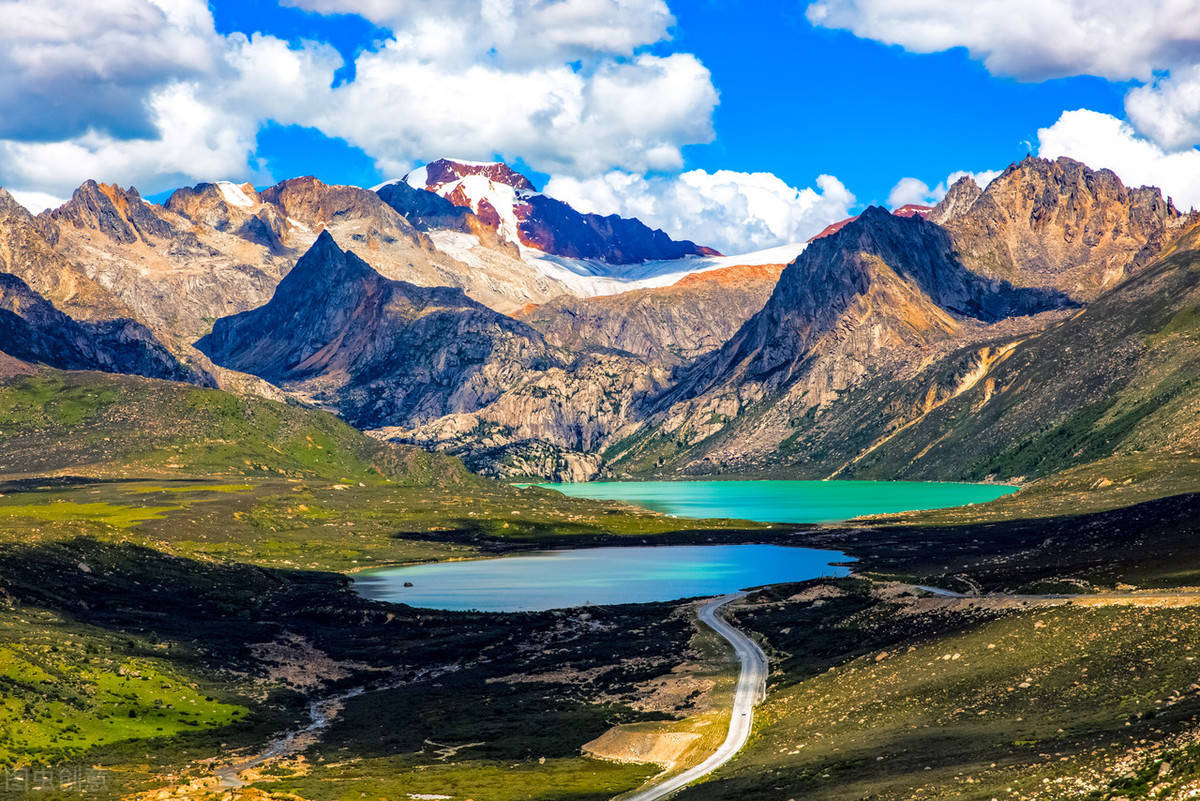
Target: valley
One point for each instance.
(223, 416)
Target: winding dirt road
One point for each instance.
(751, 689)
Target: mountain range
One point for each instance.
(1043, 319)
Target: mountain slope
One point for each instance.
(893, 278)
(26, 251)
(33, 331)
(144, 427)
(883, 293)
(380, 351)
(430, 365)
(1111, 385)
(1117, 378)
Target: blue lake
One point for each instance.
(598, 576)
(786, 501)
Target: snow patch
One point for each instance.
(657, 273)
(234, 195)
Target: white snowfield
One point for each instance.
(590, 278)
(751, 689)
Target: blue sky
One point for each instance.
(800, 100)
(738, 125)
(795, 99)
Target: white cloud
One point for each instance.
(37, 202)
(735, 212)
(147, 92)
(914, 190)
(1168, 111)
(71, 66)
(633, 114)
(198, 129)
(1102, 140)
(512, 32)
(1032, 39)
(910, 190)
(194, 140)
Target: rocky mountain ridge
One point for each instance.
(34, 332)
(446, 335)
(668, 325)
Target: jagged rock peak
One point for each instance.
(315, 203)
(9, 205)
(118, 213)
(186, 200)
(1060, 224)
(959, 198)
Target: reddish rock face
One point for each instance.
(733, 276)
(443, 171)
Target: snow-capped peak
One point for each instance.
(436, 174)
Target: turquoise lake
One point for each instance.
(785, 501)
(558, 579)
(595, 576)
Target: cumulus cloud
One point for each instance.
(1102, 140)
(635, 114)
(512, 32)
(916, 191)
(1031, 39)
(197, 130)
(1168, 111)
(70, 67)
(37, 202)
(1156, 42)
(910, 190)
(148, 92)
(735, 212)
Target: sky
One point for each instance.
(739, 125)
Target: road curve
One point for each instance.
(751, 688)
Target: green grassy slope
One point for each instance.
(200, 472)
(113, 426)
(887, 697)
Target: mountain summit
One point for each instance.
(507, 201)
